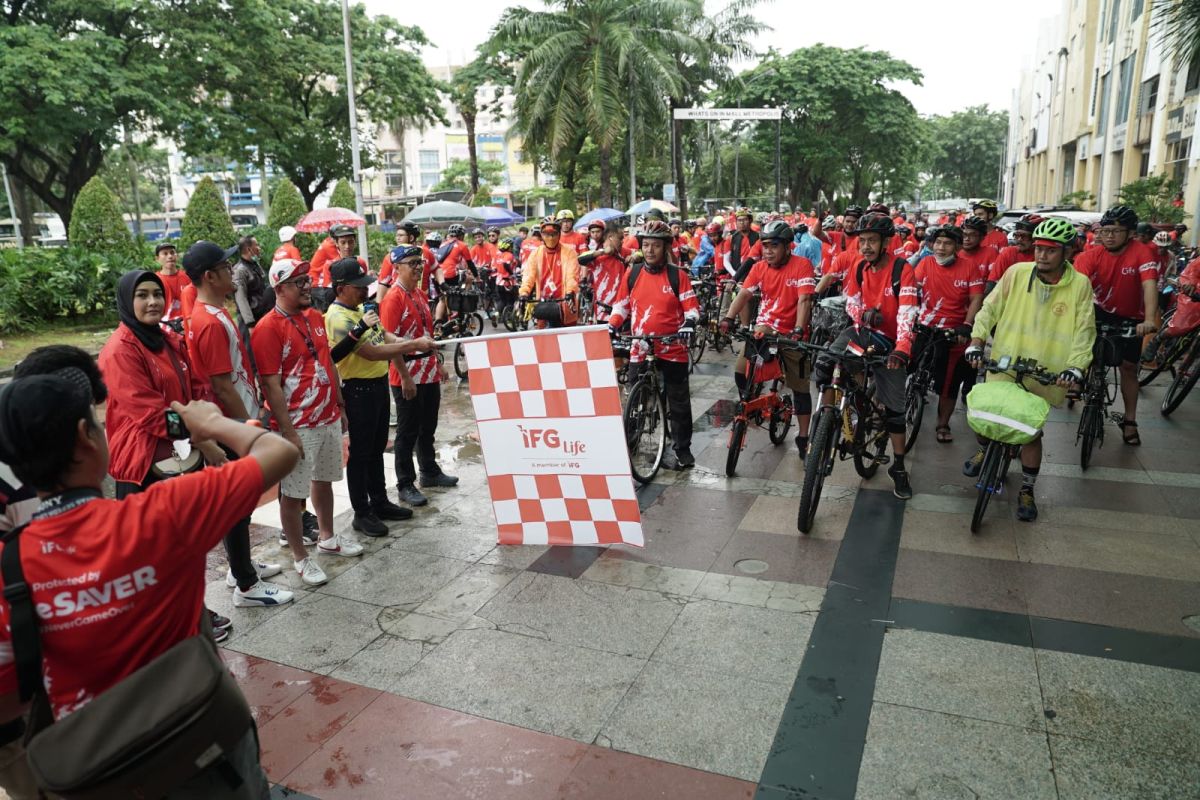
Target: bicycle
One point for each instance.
(1168, 349)
(1099, 392)
(1185, 376)
(462, 322)
(829, 319)
(718, 291)
(849, 426)
(998, 456)
(753, 405)
(645, 417)
(920, 378)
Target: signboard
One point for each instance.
(669, 192)
(1180, 122)
(728, 113)
(548, 409)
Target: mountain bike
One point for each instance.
(920, 378)
(998, 456)
(1167, 350)
(462, 322)
(645, 418)
(847, 425)
(753, 405)
(1099, 390)
(1186, 376)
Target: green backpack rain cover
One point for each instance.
(1003, 411)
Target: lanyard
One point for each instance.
(306, 334)
(65, 501)
(423, 314)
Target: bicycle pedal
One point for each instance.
(883, 459)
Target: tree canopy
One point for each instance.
(457, 175)
(206, 217)
(965, 151)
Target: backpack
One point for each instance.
(897, 271)
(636, 270)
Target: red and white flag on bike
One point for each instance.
(549, 413)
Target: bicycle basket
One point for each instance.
(549, 311)
(1005, 412)
(462, 302)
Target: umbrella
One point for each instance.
(441, 213)
(646, 205)
(498, 217)
(325, 218)
(602, 214)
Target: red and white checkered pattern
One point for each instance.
(565, 380)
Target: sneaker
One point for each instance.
(899, 477)
(261, 594)
(263, 570)
(412, 495)
(219, 623)
(684, 459)
(1026, 508)
(391, 511)
(220, 634)
(309, 521)
(369, 524)
(440, 480)
(310, 573)
(339, 545)
(973, 465)
(310, 539)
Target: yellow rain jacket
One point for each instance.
(1056, 325)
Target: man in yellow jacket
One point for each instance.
(1040, 310)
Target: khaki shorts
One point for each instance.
(322, 461)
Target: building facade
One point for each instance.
(1103, 104)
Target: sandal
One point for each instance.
(943, 434)
(1131, 437)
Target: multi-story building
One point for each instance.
(1105, 103)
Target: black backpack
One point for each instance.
(672, 277)
(897, 271)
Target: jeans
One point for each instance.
(679, 399)
(367, 414)
(416, 424)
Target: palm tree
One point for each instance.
(1178, 23)
(590, 64)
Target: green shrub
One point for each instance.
(43, 285)
(206, 218)
(343, 195)
(96, 222)
(566, 199)
(379, 244)
(287, 207)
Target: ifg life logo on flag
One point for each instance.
(533, 438)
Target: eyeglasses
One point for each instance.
(302, 282)
(414, 263)
(1110, 231)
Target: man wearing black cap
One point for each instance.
(361, 349)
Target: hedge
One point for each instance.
(343, 195)
(42, 285)
(206, 218)
(96, 223)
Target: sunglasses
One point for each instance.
(551, 232)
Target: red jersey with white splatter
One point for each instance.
(780, 289)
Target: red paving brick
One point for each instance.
(606, 774)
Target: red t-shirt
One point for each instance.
(996, 239)
(841, 263)
(407, 315)
(287, 250)
(1007, 257)
(982, 257)
(1117, 277)
(284, 345)
(326, 254)
(216, 348)
(781, 289)
(528, 248)
(876, 292)
(173, 294)
(654, 310)
(482, 254)
(117, 583)
(503, 263)
(946, 292)
(187, 298)
(607, 272)
(458, 254)
(574, 240)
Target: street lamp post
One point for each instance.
(355, 163)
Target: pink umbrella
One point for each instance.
(324, 218)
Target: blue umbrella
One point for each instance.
(498, 216)
(602, 214)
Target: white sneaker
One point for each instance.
(262, 594)
(310, 573)
(263, 570)
(309, 539)
(339, 545)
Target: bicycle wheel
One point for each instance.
(914, 406)
(737, 437)
(696, 347)
(870, 441)
(645, 431)
(460, 361)
(472, 324)
(820, 454)
(988, 478)
(781, 418)
(1089, 421)
(1185, 378)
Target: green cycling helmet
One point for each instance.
(1056, 230)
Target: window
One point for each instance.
(1144, 170)
(393, 159)
(1148, 99)
(1095, 90)
(1135, 10)
(1193, 76)
(1102, 122)
(429, 160)
(1113, 19)
(394, 182)
(429, 179)
(1124, 89)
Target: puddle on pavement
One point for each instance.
(719, 415)
(751, 566)
(462, 449)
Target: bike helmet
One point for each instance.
(656, 229)
(403, 251)
(903, 231)
(701, 222)
(1124, 216)
(829, 223)
(412, 229)
(1029, 222)
(678, 222)
(565, 213)
(654, 213)
(477, 231)
(986, 205)
(504, 244)
(949, 231)
(713, 229)
(718, 220)
(743, 212)
(776, 231)
(852, 209)
(549, 222)
(1144, 229)
(1162, 239)
(596, 223)
(876, 223)
(457, 230)
(878, 208)
(433, 237)
(976, 224)
(492, 230)
(920, 225)
(1054, 232)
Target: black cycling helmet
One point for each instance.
(656, 229)
(1029, 222)
(876, 223)
(949, 231)
(678, 222)
(776, 230)
(976, 224)
(1144, 229)
(1124, 216)
(879, 208)
(457, 230)
(852, 209)
(903, 230)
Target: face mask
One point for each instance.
(945, 262)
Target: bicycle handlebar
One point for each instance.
(1126, 330)
(1022, 368)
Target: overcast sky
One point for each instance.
(976, 57)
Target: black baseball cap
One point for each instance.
(203, 256)
(165, 244)
(348, 272)
(338, 231)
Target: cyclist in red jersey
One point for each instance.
(951, 291)
(987, 210)
(552, 272)
(456, 266)
(605, 267)
(1124, 277)
(408, 233)
(569, 237)
(595, 237)
(481, 251)
(173, 279)
(528, 247)
(974, 230)
(1018, 253)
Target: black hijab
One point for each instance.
(149, 335)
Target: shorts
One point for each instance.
(1112, 348)
(322, 461)
(452, 281)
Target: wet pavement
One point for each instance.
(891, 653)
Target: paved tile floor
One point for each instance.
(732, 657)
